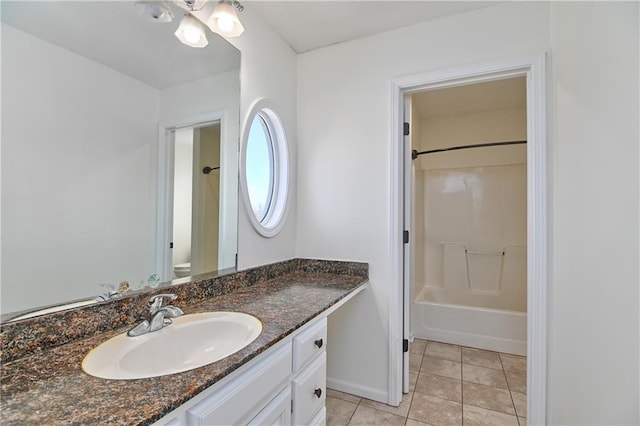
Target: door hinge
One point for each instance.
(405, 345)
(171, 245)
(406, 129)
(405, 237)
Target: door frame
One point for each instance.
(533, 67)
(408, 252)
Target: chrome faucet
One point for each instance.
(158, 316)
(111, 293)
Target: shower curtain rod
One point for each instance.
(415, 153)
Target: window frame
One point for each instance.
(276, 210)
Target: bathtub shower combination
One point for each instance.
(469, 254)
(465, 311)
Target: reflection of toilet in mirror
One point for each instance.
(182, 270)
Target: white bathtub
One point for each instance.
(498, 330)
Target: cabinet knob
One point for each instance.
(318, 392)
(318, 343)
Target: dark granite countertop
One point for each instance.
(49, 386)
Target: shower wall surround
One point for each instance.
(472, 209)
(476, 222)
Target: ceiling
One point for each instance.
(112, 34)
(472, 98)
(312, 24)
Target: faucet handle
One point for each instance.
(155, 302)
(111, 293)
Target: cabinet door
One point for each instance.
(319, 419)
(277, 412)
(309, 390)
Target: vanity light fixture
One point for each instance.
(224, 19)
(154, 11)
(191, 32)
(193, 4)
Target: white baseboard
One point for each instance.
(379, 395)
(516, 347)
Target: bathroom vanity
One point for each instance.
(285, 385)
(277, 379)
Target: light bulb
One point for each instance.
(224, 20)
(225, 23)
(192, 35)
(191, 32)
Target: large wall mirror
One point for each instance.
(119, 152)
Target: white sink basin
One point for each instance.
(190, 342)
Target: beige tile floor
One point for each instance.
(449, 385)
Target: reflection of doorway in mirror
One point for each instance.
(196, 201)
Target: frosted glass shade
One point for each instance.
(224, 20)
(191, 32)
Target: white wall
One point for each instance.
(343, 211)
(593, 349)
(210, 94)
(182, 195)
(57, 143)
(268, 70)
(344, 157)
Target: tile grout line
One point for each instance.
(461, 391)
(354, 412)
(406, 419)
(509, 388)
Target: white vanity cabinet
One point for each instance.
(278, 412)
(283, 386)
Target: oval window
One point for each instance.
(265, 168)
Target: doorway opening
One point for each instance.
(196, 200)
(479, 268)
(467, 220)
(468, 215)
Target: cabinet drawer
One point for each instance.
(309, 389)
(309, 343)
(241, 399)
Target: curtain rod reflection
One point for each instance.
(415, 153)
(208, 169)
